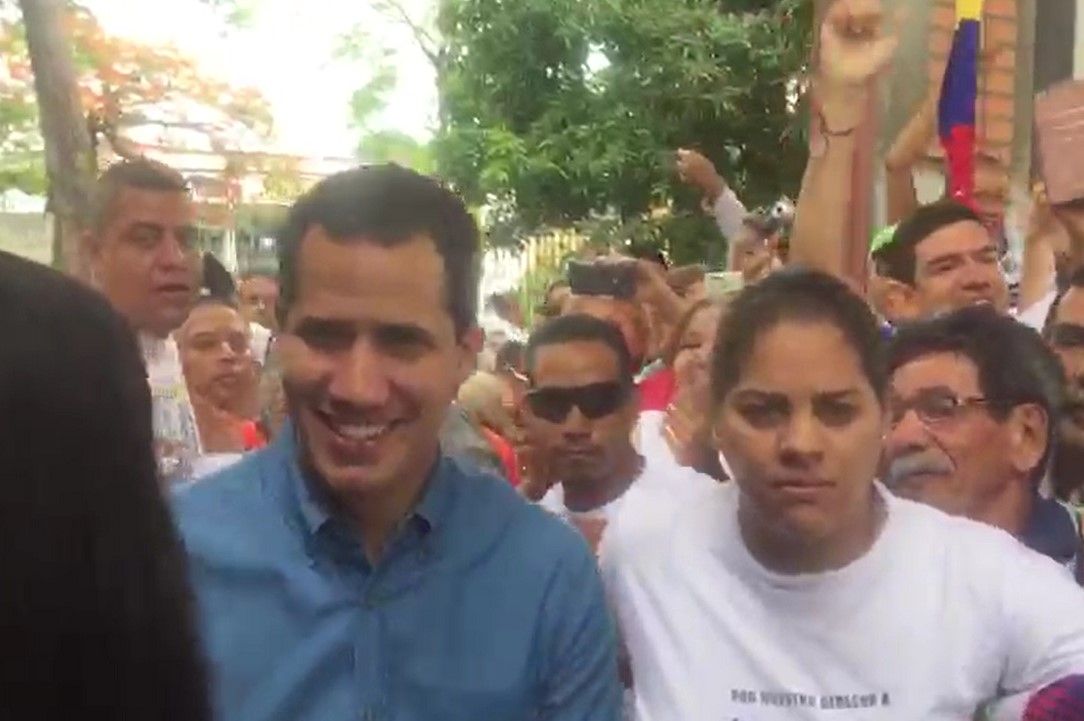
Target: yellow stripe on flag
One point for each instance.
(968, 10)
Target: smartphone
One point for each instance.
(1059, 134)
(723, 284)
(616, 280)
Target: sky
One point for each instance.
(288, 53)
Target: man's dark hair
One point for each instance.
(137, 174)
(794, 294)
(510, 355)
(217, 281)
(580, 328)
(388, 205)
(896, 260)
(97, 598)
(1015, 367)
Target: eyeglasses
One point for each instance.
(1066, 335)
(932, 406)
(596, 400)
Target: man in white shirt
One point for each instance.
(145, 261)
(580, 411)
(974, 402)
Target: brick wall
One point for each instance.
(997, 85)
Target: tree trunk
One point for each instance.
(68, 152)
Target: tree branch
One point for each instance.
(425, 41)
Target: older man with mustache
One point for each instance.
(974, 403)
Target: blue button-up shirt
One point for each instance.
(482, 608)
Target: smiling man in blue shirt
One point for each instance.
(352, 572)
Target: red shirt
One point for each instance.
(254, 439)
(507, 455)
(657, 390)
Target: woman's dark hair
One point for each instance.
(96, 617)
(802, 295)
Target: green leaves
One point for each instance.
(564, 111)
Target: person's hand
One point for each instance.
(856, 45)
(1042, 223)
(683, 425)
(696, 170)
(651, 283)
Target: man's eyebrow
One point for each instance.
(839, 395)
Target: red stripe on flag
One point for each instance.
(959, 146)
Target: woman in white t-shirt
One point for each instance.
(802, 590)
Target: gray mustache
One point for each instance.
(903, 467)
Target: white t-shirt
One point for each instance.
(660, 476)
(657, 479)
(940, 615)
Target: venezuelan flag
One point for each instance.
(959, 96)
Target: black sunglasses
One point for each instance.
(596, 400)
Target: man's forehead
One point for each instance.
(966, 236)
(945, 369)
(573, 358)
(212, 316)
(141, 203)
(259, 284)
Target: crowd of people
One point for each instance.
(679, 494)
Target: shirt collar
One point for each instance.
(314, 506)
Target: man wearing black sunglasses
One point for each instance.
(581, 408)
(973, 409)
